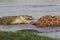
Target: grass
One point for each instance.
(20, 35)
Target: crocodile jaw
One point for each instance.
(20, 20)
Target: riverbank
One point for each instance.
(21, 35)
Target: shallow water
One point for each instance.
(28, 27)
(34, 10)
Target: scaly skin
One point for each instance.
(7, 20)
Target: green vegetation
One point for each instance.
(20, 35)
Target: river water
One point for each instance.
(34, 10)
